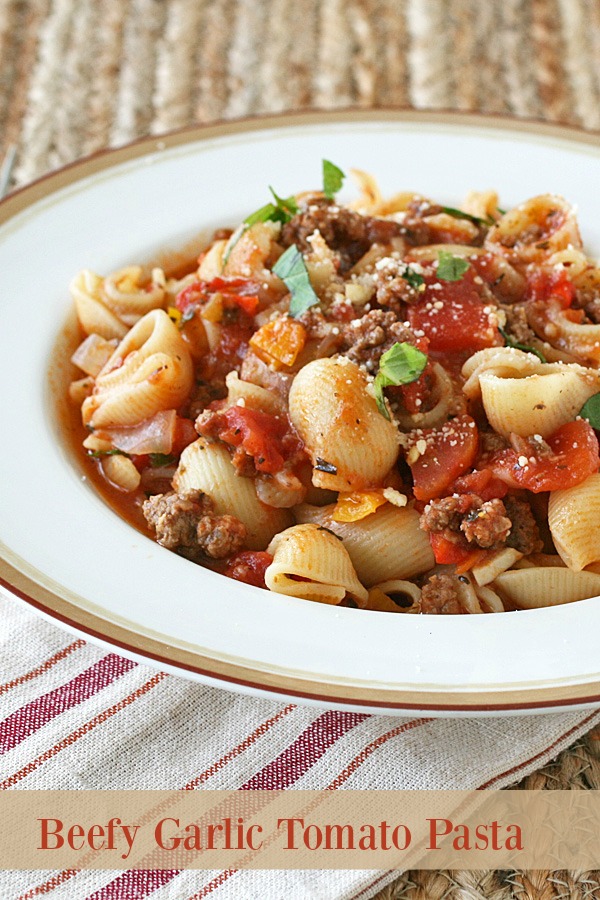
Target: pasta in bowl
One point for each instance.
(388, 405)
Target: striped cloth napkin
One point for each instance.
(74, 716)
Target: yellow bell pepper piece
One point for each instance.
(280, 341)
(357, 505)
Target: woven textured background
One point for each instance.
(77, 75)
(80, 75)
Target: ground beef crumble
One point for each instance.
(524, 533)
(347, 232)
(489, 524)
(440, 596)
(486, 526)
(419, 231)
(186, 521)
(483, 523)
(517, 326)
(367, 339)
(220, 536)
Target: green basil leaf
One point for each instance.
(459, 214)
(401, 364)
(285, 209)
(510, 342)
(333, 178)
(282, 211)
(291, 268)
(591, 411)
(451, 268)
(264, 214)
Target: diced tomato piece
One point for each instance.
(141, 461)
(191, 295)
(241, 286)
(544, 285)
(481, 482)
(444, 454)
(448, 552)
(259, 434)
(241, 292)
(415, 395)
(249, 566)
(453, 315)
(184, 434)
(574, 457)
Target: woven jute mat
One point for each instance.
(80, 75)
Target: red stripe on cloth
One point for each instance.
(49, 885)
(26, 720)
(51, 661)
(134, 884)
(67, 874)
(343, 776)
(279, 774)
(247, 742)
(364, 754)
(305, 751)
(80, 732)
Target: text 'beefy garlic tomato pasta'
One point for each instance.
(388, 405)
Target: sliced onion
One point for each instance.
(93, 353)
(154, 435)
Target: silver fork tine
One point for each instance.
(6, 169)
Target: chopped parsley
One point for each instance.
(450, 267)
(510, 342)
(460, 214)
(591, 411)
(401, 364)
(333, 178)
(413, 278)
(291, 268)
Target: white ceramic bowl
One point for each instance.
(69, 555)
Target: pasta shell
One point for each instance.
(552, 323)
(494, 564)
(574, 520)
(351, 445)
(319, 559)
(380, 597)
(533, 230)
(536, 404)
(386, 545)
(208, 468)
(537, 587)
(151, 370)
(127, 298)
(94, 315)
